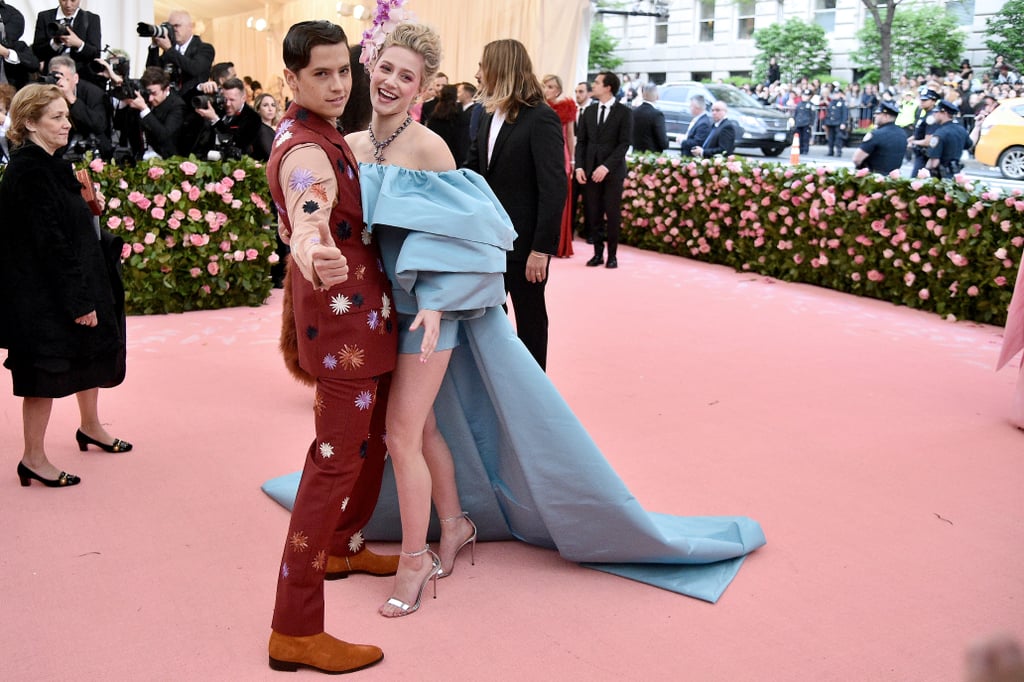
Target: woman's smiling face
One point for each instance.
(396, 79)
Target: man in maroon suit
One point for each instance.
(346, 339)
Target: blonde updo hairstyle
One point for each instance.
(422, 40)
(28, 105)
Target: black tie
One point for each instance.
(600, 117)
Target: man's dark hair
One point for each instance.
(358, 111)
(220, 71)
(585, 84)
(154, 75)
(233, 84)
(611, 80)
(304, 36)
(468, 87)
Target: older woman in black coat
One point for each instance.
(61, 300)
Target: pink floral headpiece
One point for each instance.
(388, 15)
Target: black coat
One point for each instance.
(722, 139)
(162, 126)
(527, 174)
(53, 267)
(649, 129)
(14, 27)
(698, 133)
(604, 145)
(192, 68)
(86, 26)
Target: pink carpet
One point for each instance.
(870, 441)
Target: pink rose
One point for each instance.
(909, 278)
(206, 288)
(96, 165)
(1000, 281)
(149, 238)
(195, 214)
(136, 196)
(113, 222)
(875, 276)
(972, 291)
(213, 268)
(155, 172)
(114, 203)
(195, 272)
(126, 251)
(193, 194)
(188, 168)
(138, 248)
(228, 183)
(274, 258)
(174, 223)
(251, 254)
(924, 294)
(174, 195)
(239, 174)
(157, 213)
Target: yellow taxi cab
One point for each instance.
(1001, 142)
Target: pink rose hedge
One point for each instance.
(184, 223)
(943, 246)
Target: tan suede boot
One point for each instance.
(320, 652)
(364, 561)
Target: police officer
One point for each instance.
(948, 142)
(883, 148)
(837, 122)
(803, 119)
(924, 125)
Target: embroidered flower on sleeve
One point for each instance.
(373, 319)
(344, 504)
(385, 306)
(360, 272)
(340, 304)
(301, 180)
(282, 137)
(330, 362)
(319, 192)
(299, 541)
(367, 236)
(326, 450)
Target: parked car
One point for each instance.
(756, 125)
(1001, 142)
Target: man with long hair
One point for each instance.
(518, 150)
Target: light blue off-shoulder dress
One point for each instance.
(526, 468)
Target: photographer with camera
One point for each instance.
(219, 74)
(176, 46)
(87, 107)
(231, 125)
(17, 60)
(70, 31)
(161, 114)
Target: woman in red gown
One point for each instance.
(565, 107)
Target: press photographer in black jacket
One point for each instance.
(232, 130)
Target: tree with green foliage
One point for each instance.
(883, 13)
(800, 49)
(602, 49)
(922, 38)
(1004, 32)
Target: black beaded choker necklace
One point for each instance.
(379, 147)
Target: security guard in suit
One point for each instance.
(948, 142)
(883, 148)
(924, 125)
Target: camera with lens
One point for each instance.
(80, 146)
(121, 66)
(224, 147)
(56, 29)
(164, 30)
(51, 78)
(216, 100)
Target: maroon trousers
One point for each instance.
(336, 497)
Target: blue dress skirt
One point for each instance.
(525, 466)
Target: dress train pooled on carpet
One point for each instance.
(526, 467)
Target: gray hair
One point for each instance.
(65, 61)
(699, 100)
(650, 92)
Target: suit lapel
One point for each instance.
(503, 135)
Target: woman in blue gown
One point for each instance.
(466, 385)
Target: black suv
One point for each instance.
(756, 125)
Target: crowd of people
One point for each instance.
(180, 102)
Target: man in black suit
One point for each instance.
(722, 138)
(700, 125)
(427, 109)
(234, 132)
(189, 58)
(17, 60)
(77, 36)
(87, 105)
(161, 114)
(519, 151)
(601, 146)
(649, 124)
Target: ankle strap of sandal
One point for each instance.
(426, 548)
(463, 515)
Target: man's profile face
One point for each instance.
(156, 95)
(234, 100)
(183, 26)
